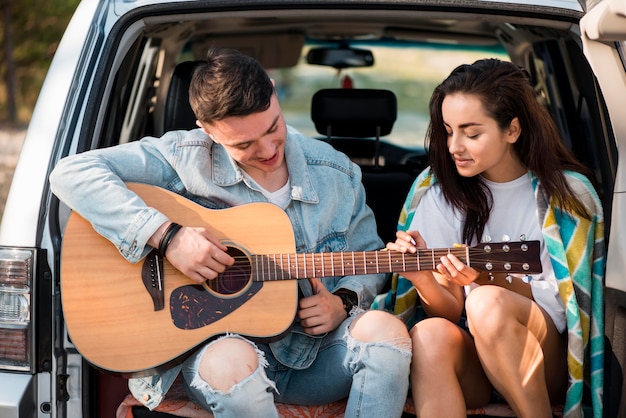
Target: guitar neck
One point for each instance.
(269, 267)
(301, 266)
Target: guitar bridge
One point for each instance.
(152, 277)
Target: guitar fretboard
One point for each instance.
(300, 266)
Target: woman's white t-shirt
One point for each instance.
(513, 218)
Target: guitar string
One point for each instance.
(272, 264)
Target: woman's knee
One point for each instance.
(488, 310)
(376, 326)
(227, 362)
(435, 336)
(438, 344)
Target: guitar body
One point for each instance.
(112, 318)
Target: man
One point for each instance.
(244, 152)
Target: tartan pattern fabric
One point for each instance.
(577, 253)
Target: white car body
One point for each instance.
(74, 111)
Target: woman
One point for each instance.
(499, 170)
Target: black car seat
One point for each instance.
(178, 114)
(355, 115)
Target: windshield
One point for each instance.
(411, 71)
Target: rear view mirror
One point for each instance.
(340, 57)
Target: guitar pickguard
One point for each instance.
(194, 307)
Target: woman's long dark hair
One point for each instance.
(505, 92)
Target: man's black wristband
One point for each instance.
(167, 237)
(349, 299)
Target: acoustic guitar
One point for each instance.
(132, 319)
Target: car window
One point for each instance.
(410, 70)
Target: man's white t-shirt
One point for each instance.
(513, 218)
(280, 197)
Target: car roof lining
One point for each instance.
(346, 24)
(276, 38)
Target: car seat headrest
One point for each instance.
(178, 113)
(357, 113)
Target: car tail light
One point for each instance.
(16, 273)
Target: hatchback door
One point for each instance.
(604, 42)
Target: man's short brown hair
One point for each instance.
(229, 83)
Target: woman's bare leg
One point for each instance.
(445, 370)
(520, 349)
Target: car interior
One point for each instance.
(147, 92)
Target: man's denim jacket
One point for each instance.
(328, 211)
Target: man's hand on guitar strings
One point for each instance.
(322, 312)
(198, 255)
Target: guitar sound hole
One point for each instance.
(235, 277)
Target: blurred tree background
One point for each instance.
(30, 31)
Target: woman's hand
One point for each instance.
(407, 242)
(440, 294)
(456, 271)
(451, 268)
